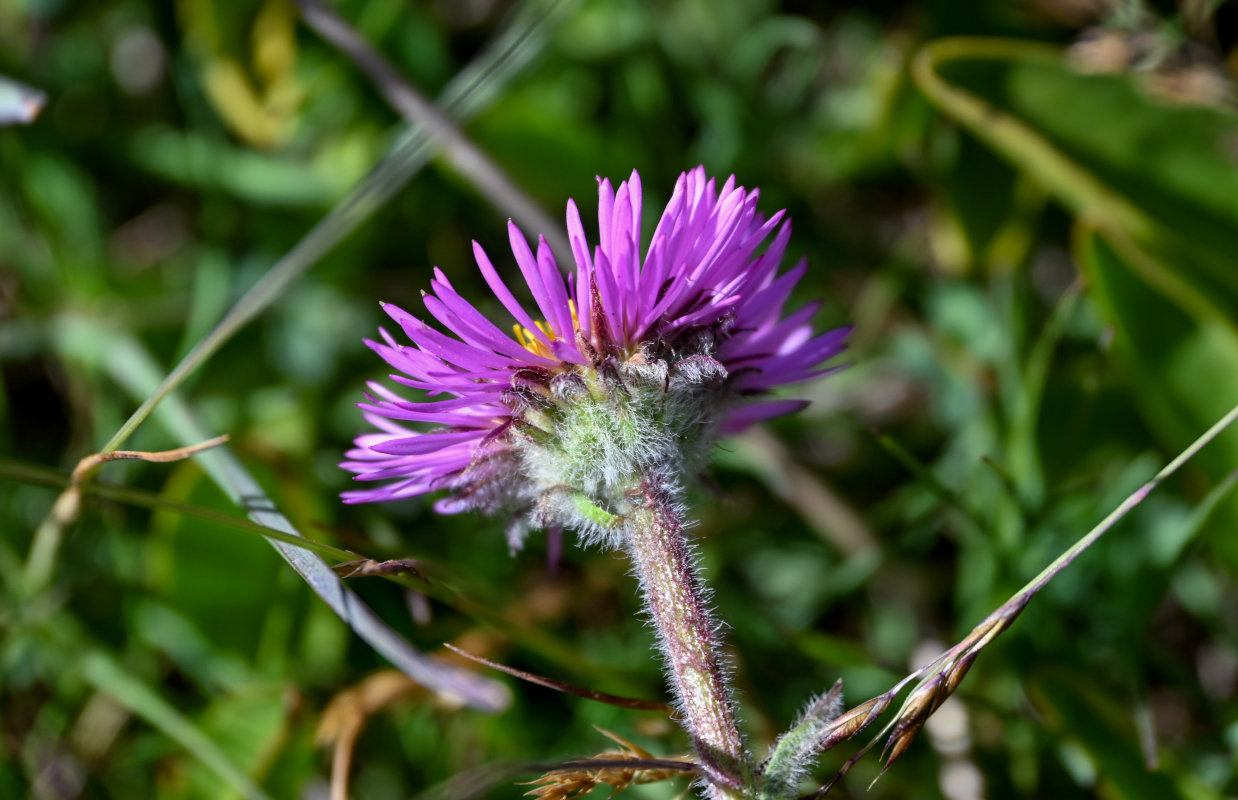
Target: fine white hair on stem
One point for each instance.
(677, 603)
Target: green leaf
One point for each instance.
(252, 727)
(1185, 365)
(106, 675)
(1077, 710)
(1166, 176)
(133, 367)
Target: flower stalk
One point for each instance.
(677, 603)
(606, 402)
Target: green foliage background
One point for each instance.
(1041, 265)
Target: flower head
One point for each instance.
(629, 371)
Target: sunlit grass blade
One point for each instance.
(42, 476)
(136, 371)
(468, 159)
(566, 688)
(349, 564)
(1077, 187)
(463, 97)
(1033, 109)
(64, 511)
(937, 680)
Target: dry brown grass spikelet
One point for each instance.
(573, 783)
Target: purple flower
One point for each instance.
(632, 366)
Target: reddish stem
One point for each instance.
(676, 600)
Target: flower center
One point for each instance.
(529, 341)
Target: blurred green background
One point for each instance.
(1034, 230)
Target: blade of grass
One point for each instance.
(1170, 546)
(103, 673)
(928, 678)
(470, 160)
(829, 515)
(567, 688)
(1078, 185)
(441, 589)
(41, 476)
(47, 537)
(1022, 452)
(511, 51)
(930, 481)
(1061, 562)
(135, 369)
(1078, 188)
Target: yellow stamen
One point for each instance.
(529, 341)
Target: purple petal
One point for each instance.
(425, 443)
(500, 289)
(558, 311)
(746, 415)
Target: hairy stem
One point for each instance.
(676, 600)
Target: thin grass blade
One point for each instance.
(514, 49)
(566, 688)
(135, 369)
(103, 673)
(470, 160)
